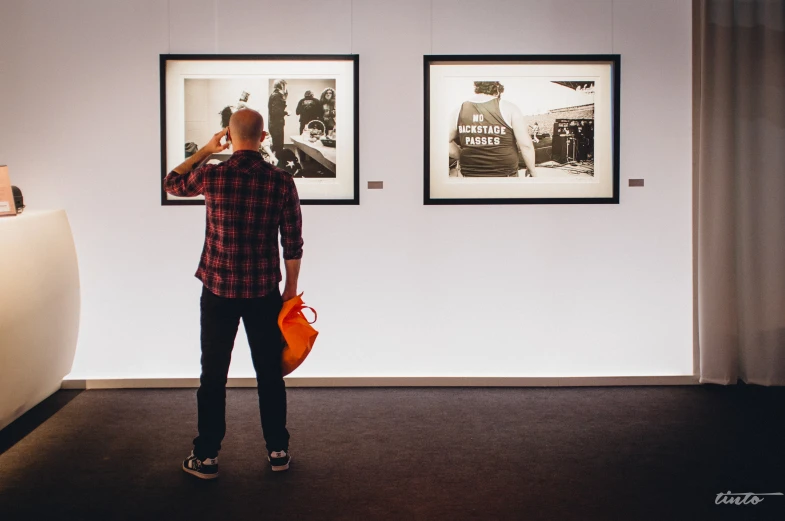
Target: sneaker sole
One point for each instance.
(279, 468)
(199, 474)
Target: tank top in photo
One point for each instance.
(488, 145)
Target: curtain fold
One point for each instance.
(741, 191)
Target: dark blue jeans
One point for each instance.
(220, 319)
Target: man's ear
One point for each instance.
(228, 136)
(264, 135)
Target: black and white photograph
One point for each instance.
(298, 99)
(303, 126)
(521, 130)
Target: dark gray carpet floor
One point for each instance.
(628, 453)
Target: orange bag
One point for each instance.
(298, 334)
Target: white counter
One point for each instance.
(39, 309)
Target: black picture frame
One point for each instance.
(352, 59)
(611, 177)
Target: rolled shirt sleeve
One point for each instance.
(292, 224)
(186, 185)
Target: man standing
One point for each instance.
(486, 134)
(535, 130)
(247, 201)
(309, 109)
(327, 101)
(276, 107)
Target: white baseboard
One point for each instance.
(577, 381)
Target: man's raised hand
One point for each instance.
(214, 145)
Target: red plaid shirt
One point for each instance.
(247, 201)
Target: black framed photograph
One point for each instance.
(309, 104)
(523, 129)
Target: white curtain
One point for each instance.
(740, 62)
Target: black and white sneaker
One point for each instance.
(205, 469)
(279, 460)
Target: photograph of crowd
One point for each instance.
(305, 100)
(300, 119)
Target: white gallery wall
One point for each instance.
(402, 289)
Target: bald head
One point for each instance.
(246, 127)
